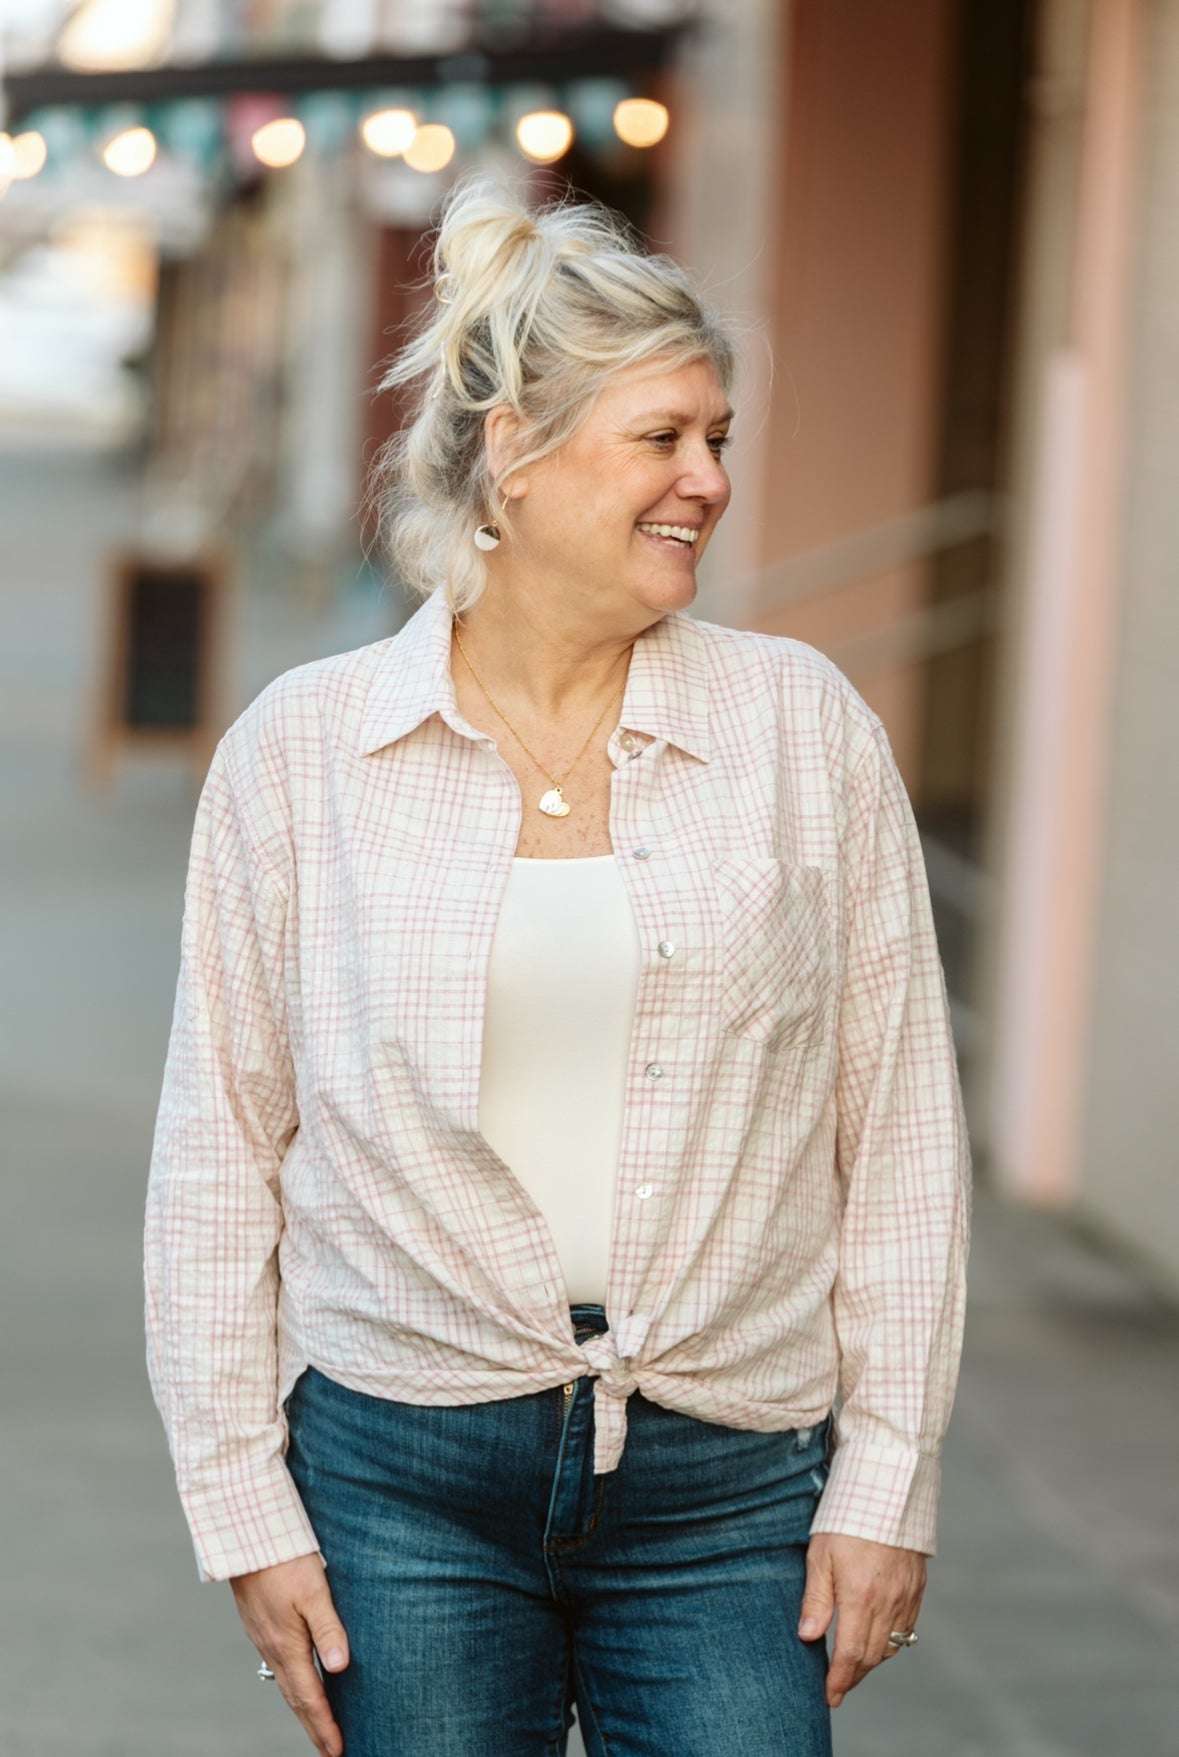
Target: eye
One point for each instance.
(717, 442)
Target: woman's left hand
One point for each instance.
(875, 1589)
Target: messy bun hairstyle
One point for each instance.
(536, 311)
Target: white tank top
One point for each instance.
(561, 990)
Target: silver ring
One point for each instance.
(265, 1673)
(902, 1638)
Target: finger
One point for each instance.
(848, 1660)
(879, 1645)
(818, 1599)
(327, 1632)
(890, 1650)
(304, 1693)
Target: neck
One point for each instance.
(535, 655)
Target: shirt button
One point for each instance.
(629, 742)
(653, 1071)
(641, 853)
(645, 1190)
(666, 949)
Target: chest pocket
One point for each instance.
(775, 956)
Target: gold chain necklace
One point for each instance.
(553, 803)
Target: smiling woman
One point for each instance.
(537, 313)
(561, 1111)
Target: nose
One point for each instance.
(705, 477)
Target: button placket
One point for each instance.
(646, 901)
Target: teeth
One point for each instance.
(684, 533)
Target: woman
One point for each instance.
(561, 1113)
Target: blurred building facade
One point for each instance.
(946, 226)
(969, 275)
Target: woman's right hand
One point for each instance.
(287, 1612)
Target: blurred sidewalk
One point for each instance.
(1051, 1627)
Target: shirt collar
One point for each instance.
(666, 687)
(413, 678)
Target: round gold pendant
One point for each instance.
(552, 803)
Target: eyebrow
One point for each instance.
(680, 418)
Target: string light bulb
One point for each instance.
(29, 153)
(389, 132)
(279, 143)
(544, 135)
(111, 36)
(431, 148)
(130, 153)
(641, 121)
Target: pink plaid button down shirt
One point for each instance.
(320, 1192)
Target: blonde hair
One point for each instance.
(535, 311)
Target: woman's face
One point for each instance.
(618, 518)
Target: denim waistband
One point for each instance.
(588, 1320)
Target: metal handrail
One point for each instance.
(934, 629)
(911, 536)
(922, 634)
(829, 567)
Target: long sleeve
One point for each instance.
(227, 1115)
(903, 1161)
(320, 1108)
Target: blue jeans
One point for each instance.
(487, 1579)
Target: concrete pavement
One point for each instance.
(1051, 1627)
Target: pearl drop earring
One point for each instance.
(486, 537)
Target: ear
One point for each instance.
(501, 431)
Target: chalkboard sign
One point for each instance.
(165, 656)
(160, 681)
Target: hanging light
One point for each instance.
(29, 153)
(544, 135)
(468, 109)
(191, 129)
(592, 103)
(114, 35)
(641, 121)
(68, 136)
(329, 120)
(130, 153)
(279, 143)
(431, 148)
(388, 132)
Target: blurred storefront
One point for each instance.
(945, 226)
(966, 497)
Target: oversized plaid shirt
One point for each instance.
(320, 1191)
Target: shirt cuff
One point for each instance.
(882, 1492)
(250, 1524)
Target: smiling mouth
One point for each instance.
(683, 536)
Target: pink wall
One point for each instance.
(858, 327)
(1061, 700)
